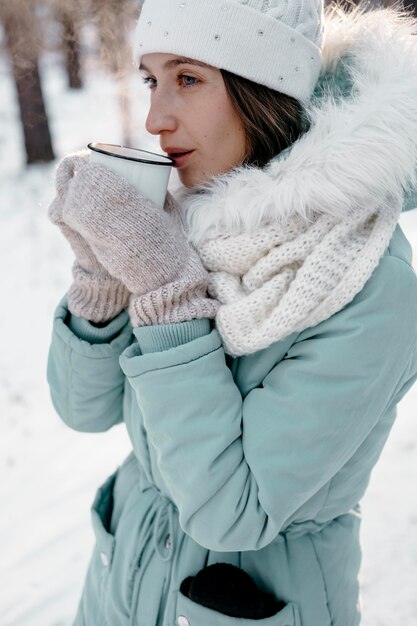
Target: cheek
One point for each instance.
(232, 136)
(232, 128)
(222, 132)
(217, 129)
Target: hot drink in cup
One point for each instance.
(148, 171)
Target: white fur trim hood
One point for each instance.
(361, 146)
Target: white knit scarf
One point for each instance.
(288, 246)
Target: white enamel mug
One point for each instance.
(148, 171)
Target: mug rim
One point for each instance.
(92, 145)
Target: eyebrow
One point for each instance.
(175, 62)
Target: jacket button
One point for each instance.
(168, 542)
(183, 621)
(104, 559)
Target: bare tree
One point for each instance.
(69, 13)
(114, 20)
(19, 21)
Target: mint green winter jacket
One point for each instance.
(259, 461)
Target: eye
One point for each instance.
(148, 81)
(185, 76)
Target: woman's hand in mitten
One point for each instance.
(94, 293)
(140, 244)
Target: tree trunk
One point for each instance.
(21, 41)
(114, 20)
(69, 13)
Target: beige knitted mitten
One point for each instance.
(141, 245)
(94, 294)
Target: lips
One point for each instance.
(174, 155)
(182, 159)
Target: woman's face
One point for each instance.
(192, 111)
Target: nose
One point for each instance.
(161, 115)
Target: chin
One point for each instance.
(190, 180)
(194, 180)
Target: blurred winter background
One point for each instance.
(66, 78)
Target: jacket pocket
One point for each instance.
(101, 512)
(190, 613)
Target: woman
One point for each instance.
(256, 335)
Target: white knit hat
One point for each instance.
(276, 43)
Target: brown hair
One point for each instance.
(272, 120)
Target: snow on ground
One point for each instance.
(49, 473)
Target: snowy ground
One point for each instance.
(49, 473)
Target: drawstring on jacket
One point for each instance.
(160, 524)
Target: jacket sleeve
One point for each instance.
(83, 372)
(238, 469)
